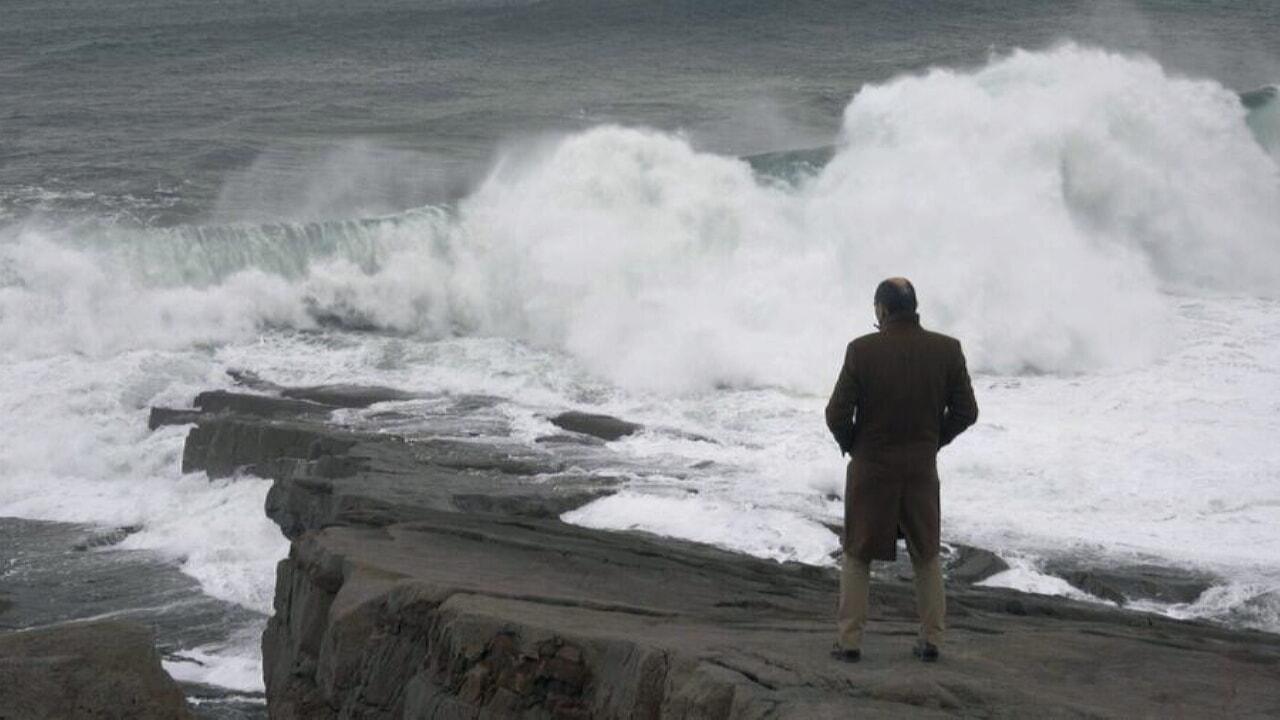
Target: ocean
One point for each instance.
(671, 212)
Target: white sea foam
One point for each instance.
(1023, 575)
(1249, 604)
(742, 526)
(1041, 203)
(77, 449)
(238, 668)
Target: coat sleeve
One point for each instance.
(962, 406)
(843, 403)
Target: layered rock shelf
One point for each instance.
(430, 577)
(105, 670)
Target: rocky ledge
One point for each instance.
(429, 577)
(92, 671)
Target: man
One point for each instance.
(902, 394)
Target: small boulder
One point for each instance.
(605, 427)
(968, 564)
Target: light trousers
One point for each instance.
(855, 597)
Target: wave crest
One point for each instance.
(1043, 204)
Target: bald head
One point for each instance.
(895, 295)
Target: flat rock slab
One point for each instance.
(327, 474)
(97, 670)
(457, 615)
(216, 401)
(430, 578)
(345, 395)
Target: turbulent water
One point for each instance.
(550, 203)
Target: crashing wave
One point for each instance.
(1044, 204)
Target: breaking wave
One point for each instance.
(1045, 204)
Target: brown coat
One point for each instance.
(902, 394)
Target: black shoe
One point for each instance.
(926, 651)
(849, 656)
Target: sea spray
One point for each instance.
(1041, 203)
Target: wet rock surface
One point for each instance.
(479, 616)
(379, 472)
(970, 565)
(344, 395)
(80, 671)
(54, 574)
(429, 577)
(1126, 584)
(605, 427)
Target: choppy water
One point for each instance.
(547, 202)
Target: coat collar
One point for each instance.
(903, 319)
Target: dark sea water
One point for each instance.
(167, 112)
